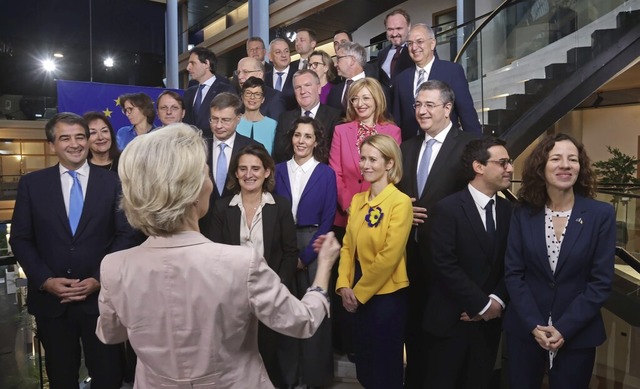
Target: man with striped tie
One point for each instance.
(66, 219)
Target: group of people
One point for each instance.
(289, 163)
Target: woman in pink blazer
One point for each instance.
(366, 116)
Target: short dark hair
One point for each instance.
(320, 152)
(225, 100)
(398, 11)
(478, 150)
(142, 101)
(534, 185)
(205, 55)
(176, 96)
(258, 150)
(256, 39)
(446, 93)
(253, 82)
(344, 32)
(66, 118)
(114, 152)
(312, 34)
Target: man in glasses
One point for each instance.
(421, 44)
(274, 103)
(257, 50)
(432, 171)
(467, 295)
(170, 107)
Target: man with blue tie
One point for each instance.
(467, 294)
(66, 219)
(281, 77)
(432, 167)
(202, 68)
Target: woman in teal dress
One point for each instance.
(253, 124)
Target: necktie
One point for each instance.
(345, 97)
(307, 113)
(423, 169)
(198, 101)
(221, 169)
(420, 81)
(394, 60)
(491, 225)
(75, 202)
(279, 81)
(303, 64)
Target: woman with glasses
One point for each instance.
(138, 108)
(321, 63)
(253, 124)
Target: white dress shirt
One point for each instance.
(386, 66)
(252, 235)
(284, 76)
(355, 78)
(207, 84)
(314, 111)
(67, 182)
(215, 152)
(435, 149)
(427, 71)
(298, 178)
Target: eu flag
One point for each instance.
(80, 97)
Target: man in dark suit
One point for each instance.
(306, 40)
(202, 67)
(257, 50)
(66, 219)
(394, 58)
(432, 171)
(281, 78)
(467, 294)
(341, 36)
(226, 111)
(274, 103)
(421, 45)
(307, 89)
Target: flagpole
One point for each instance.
(90, 43)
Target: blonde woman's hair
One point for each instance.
(377, 94)
(388, 147)
(162, 174)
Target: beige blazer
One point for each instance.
(190, 309)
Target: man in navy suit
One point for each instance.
(428, 177)
(225, 114)
(202, 68)
(421, 44)
(66, 219)
(281, 77)
(274, 103)
(393, 59)
(467, 294)
(256, 49)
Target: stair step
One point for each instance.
(579, 55)
(628, 20)
(559, 70)
(538, 85)
(603, 39)
(521, 102)
(492, 129)
(502, 117)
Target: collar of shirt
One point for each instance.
(82, 170)
(314, 110)
(426, 68)
(285, 71)
(306, 167)
(209, 82)
(229, 142)
(442, 135)
(267, 198)
(480, 198)
(358, 76)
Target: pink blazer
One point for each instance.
(344, 158)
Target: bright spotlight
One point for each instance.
(108, 62)
(291, 35)
(48, 65)
(58, 55)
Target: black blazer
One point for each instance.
(41, 237)
(404, 62)
(274, 103)
(328, 116)
(278, 229)
(205, 222)
(467, 266)
(287, 87)
(200, 119)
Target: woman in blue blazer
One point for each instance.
(558, 269)
(310, 185)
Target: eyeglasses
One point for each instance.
(173, 108)
(339, 57)
(504, 162)
(252, 95)
(314, 65)
(224, 121)
(244, 72)
(427, 106)
(127, 111)
(366, 100)
(419, 43)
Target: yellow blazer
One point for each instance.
(377, 242)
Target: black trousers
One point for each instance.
(61, 337)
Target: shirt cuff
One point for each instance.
(486, 307)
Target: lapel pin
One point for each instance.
(579, 220)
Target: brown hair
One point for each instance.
(259, 151)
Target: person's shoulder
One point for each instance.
(38, 175)
(345, 126)
(269, 121)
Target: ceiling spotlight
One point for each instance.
(48, 65)
(108, 62)
(291, 35)
(58, 55)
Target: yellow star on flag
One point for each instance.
(117, 101)
(107, 112)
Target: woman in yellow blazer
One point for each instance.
(372, 275)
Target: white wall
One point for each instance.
(616, 126)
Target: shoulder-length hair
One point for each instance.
(142, 101)
(533, 191)
(378, 97)
(332, 73)
(388, 147)
(114, 152)
(162, 174)
(259, 151)
(320, 152)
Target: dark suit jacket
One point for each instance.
(317, 205)
(404, 62)
(274, 103)
(581, 283)
(205, 223)
(467, 266)
(287, 87)
(279, 232)
(448, 72)
(328, 116)
(41, 237)
(200, 119)
(334, 99)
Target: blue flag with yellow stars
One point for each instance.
(80, 97)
